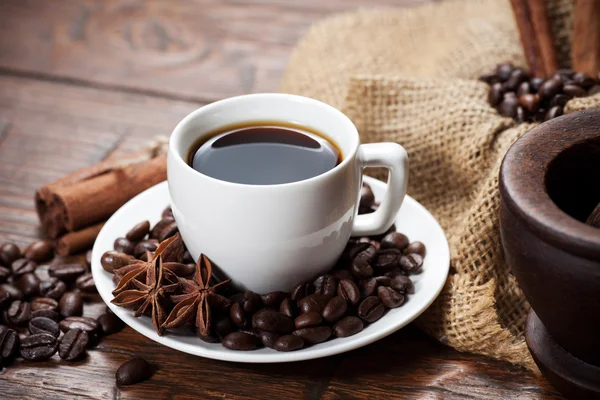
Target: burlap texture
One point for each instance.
(408, 75)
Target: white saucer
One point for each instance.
(413, 220)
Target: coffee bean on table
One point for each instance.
(43, 325)
(326, 285)
(553, 112)
(550, 88)
(22, 266)
(574, 91)
(238, 316)
(367, 287)
(29, 284)
(110, 323)
(4, 274)
(334, 310)
(349, 291)
(15, 293)
(495, 94)
(9, 252)
(402, 284)
(411, 263)
(133, 371)
(273, 299)
(314, 302)
(85, 283)
(86, 324)
(112, 260)
(71, 304)
(314, 335)
(39, 251)
(53, 288)
(272, 321)
(239, 341)
(138, 232)
(360, 268)
(371, 309)
(288, 343)
(9, 344)
(348, 326)
(530, 102)
(288, 307)
(308, 319)
(302, 290)
(43, 303)
(389, 297)
(38, 347)
(124, 246)
(47, 313)
(508, 106)
(18, 313)
(72, 345)
(67, 272)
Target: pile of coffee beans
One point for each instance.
(371, 277)
(516, 94)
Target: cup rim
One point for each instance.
(230, 101)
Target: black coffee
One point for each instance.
(263, 154)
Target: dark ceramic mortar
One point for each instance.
(549, 184)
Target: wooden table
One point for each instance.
(84, 79)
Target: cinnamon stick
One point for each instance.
(78, 241)
(536, 37)
(585, 50)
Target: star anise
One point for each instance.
(197, 300)
(170, 250)
(150, 297)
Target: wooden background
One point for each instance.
(84, 79)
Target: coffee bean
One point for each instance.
(38, 347)
(9, 344)
(223, 325)
(238, 315)
(133, 371)
(273, 299)
(554, 112)
(18, 313)
(383, 280)
(187, 258)
(9, 252)
(168, 231)
(550, 88)
(508, 106)
(335, 309)
(360, 268)
(536, 83)
(4, 274)
(288, 307)
(540, 114)
(167, 213)
(593, 90)
(15, 293)
(86, 324)
(272, 321)
(530, 102)
(371, 309)
(348, 326)
(559, 100)
(144, 246)
(72, 345)
(402, 284)
(268, 339)
(583, 80)
(495, 94)
(490, 78)
(43, 325)
(302, 290)
(46, 313)
(326, 285)
(138, 232)
(348, 290)
(416, 247)
(85, 283)
(39, 251)
(395, 240)
(43, 303)
(524, 88)
(110, 323)
(387, 259)
(353, 249)
(22, 266)
(308, 319)
(515, 78)
(315, 334)
(288, 343)
(503, 71)
(367, 198)
(314, 302)
(522, 115)
(367, 287)
(67, 272)
(124, 246)
(239, 341)
(112, 260)
(71, 304)
(252, 302)
(368, 254)
(29, 284)
(160, 225)
(389, 297)
(53, 288)
(5, 300)
(574, 91)
(411, 263)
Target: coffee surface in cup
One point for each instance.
(264, 154)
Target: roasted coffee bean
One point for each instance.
(360, 268)
(268, 339)
(302, 290)
(168, 231)
(53, 288)
(411, 263)
(89, 325)
(39, 251)
(288, 307)
(326, 285)
(124, 246)
(348, 290)
(71, 304)
(187, 258)
(315, 334)
(167, 213)
(554, 112)
(495, 94)
(530, 102)
(348, 326)
(272, 321)
(559, 100)
(144, 246)
(402, 284)
(43, 325)
(490, 78)
(85, 283)
(314, 302)
(15, 293)
(389, 297)
(371, 309)
(5, 300)
(395, 240)
(38, 347)
(138, 232)
(4, 274)
(308, 319)
(367, 287)
(67, 272)
(387, 259)
(550, 88)
(43, 303)
(72, 345)
(29, 284)
(112, 260)
(133, 371)
(583, 80)
(22, 266)
(524, 88)
(540, 114)
(341, 274)
(574, 91)
(593, 90)
(535, 84)
(508, 106)
(251, 332)
(416, 247)
(239, 341)
(238, 316)
(368, 254)
(356, 248)
(9, 252)
(522, 115)
(515, 78)
(273, 299)
(9, 344)
(252, 302)
(160, 225)
(46, 313)
(335, 309)
(223, 325)
(503, 71)
(367, 198)
(3, 329)
(110, 323)
(288, 343)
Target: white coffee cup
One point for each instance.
(270, 237)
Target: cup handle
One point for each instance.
(393, 157)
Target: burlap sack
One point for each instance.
(407, 75)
